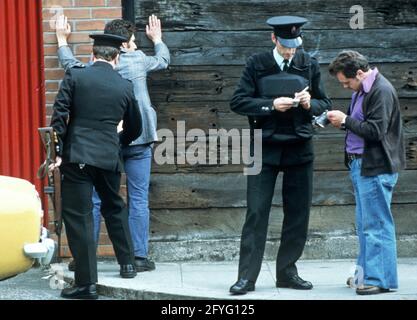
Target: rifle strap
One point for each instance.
(43, 169)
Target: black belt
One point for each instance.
(353, 156)
(94, 124)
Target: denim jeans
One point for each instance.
(137, 163)
(375, 227)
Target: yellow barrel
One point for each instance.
(20, 223)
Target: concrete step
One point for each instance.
(317, 247)
(214, 234)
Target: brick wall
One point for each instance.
(85, 17)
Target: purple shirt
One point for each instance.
(354, 143)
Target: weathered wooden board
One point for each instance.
(218, 83)
(216, 115)
(175, 191)
(233, 48)
(223, 223)
(252, 14)
(210, 42)
(329, 156)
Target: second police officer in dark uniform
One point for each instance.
(90, 104)
(265, 94)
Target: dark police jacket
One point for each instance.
(90, 104)
(286, 135)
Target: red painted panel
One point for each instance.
(22, 91)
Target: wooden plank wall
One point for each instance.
(209, 43)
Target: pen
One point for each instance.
(296, 101)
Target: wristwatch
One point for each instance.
(343, 124)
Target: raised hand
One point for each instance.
(62, 30)
(153, 29)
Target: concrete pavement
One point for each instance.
(211, 280)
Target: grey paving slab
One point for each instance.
(213, 280)
(30, 285)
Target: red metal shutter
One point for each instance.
(22, 92)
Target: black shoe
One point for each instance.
(127, 271)
(144, 264)
(294, 282)
(242, 287)
(83, 292)
(368, 290)
(71, 265)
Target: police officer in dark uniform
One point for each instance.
(280, 91)
(90, 104)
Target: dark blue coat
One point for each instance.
(286, 135)
(90, 104)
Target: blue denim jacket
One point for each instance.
(133, 66)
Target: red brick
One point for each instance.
(50, 50)
(51, 62)
(49, 112)
(89, 25)
(83, 49)
(78, 37)
(52, 86)
(105, 250)
(54, 74)
(61, 3)
(112, 13)
(114, 3)
(65, 252)
(47, 27)
(50, 97)
(104, 239)
(49, 38)
(84, 59)
(90, 3)
(64, 240)
(70, 13)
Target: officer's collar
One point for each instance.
(300, 60)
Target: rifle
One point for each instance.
(53, 189)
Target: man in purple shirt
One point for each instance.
(375, 154)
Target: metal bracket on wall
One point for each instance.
(128, 10)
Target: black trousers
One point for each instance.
(296, 195)
(77, 188)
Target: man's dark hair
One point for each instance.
(120, 27)
(105, 52)
(348, 62)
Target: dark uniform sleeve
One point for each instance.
(132, 120)
(319, 100)
(244, 101)
(62, 110)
